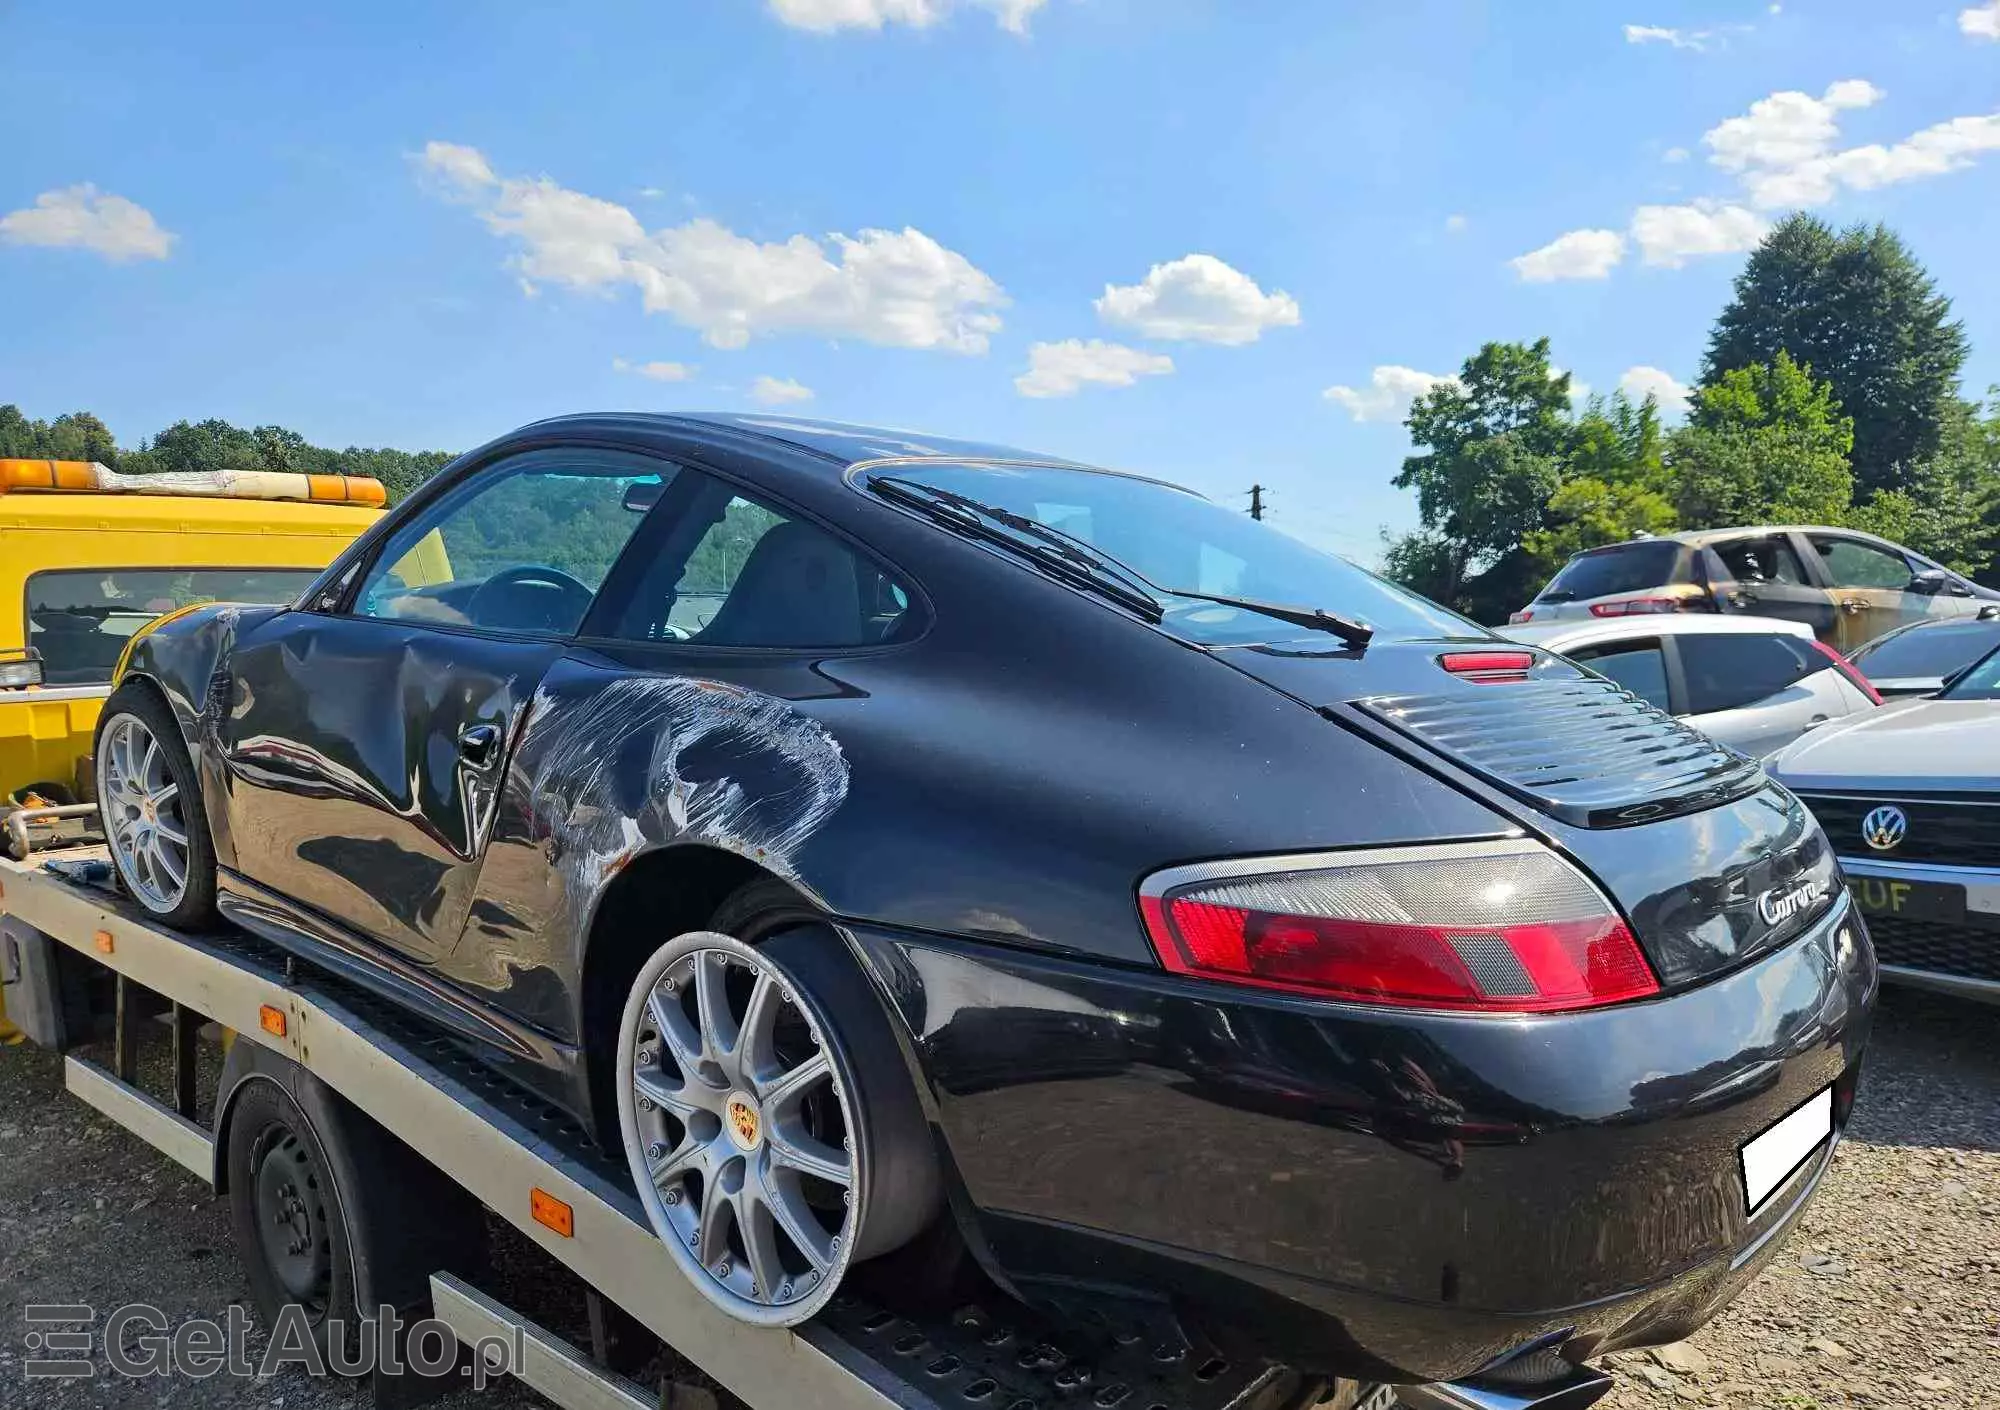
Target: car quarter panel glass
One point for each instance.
(1639, 666)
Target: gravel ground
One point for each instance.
(1889, 1295)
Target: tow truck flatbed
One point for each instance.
(522, 1160)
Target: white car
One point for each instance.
(1910, 796)
(1753, 683)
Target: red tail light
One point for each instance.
(1498, 927)
(1515, 619)
(1638, 606)
(1849, 669)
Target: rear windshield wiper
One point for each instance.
(1051, 549)
(1355, 634)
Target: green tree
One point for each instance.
(1860, 311)
(191, 447)
(1494, 439)
(1951, 508)
(1614, 484)
(1763, 445)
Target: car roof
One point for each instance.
(832, 440)
(1705, 538)
(1570, 634)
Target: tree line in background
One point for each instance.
(211, 445)
(1830, 395)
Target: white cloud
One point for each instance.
(1946, 147)
(1581, 254)
(1062, 369)
(1197, 298)
(84, 218)
(893, 288)
(1387, 396)
(1980, 21)
(826, 16)
(1455, 224)
(1656, 34)
(1785, 129)
(1638, 383)
(656, 371)
(1675, 154)
(775, 391)
(1671, 235)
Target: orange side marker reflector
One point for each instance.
(552, 1213)
(102, 939)
(271, 1020)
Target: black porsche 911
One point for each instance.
(901, 844)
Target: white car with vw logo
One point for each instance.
(1910, 795)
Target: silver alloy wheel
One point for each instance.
(141, 809)
(738, 1122)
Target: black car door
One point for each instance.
(365, 742)
(1764, 576)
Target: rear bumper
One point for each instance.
(1962, 959)
(1379, 1193)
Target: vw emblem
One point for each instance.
(1884, 827)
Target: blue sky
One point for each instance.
(420, 225)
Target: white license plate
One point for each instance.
(1769, 1160)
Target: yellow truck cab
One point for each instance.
(89, 556)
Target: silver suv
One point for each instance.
(1846, 585)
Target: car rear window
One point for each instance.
(1729, 671)
(79, 620)
(1926, 651)
(1627, 567)
(1175, 538)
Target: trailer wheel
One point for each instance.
(288, 1214)
(769, 1124)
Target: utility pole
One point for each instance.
(1256, 501)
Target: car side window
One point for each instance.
(1854, 564)
(1729, 671)
(1766, 560)
(520, 546)
(735, 571)
(1639, 666)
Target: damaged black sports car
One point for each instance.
(902, 845)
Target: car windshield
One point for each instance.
(1926, 651)
(1629, 567)
(1174, 538)
(1982, 682)
(80, 619)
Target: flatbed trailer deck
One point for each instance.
(533, 1168)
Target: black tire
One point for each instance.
(289, 1216)
(195, 907)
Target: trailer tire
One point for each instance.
(290, 1218)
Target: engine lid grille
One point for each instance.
(1580, 749)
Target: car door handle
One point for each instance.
(479, 746)
(1853, 604)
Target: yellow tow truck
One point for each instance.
(87, 557)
